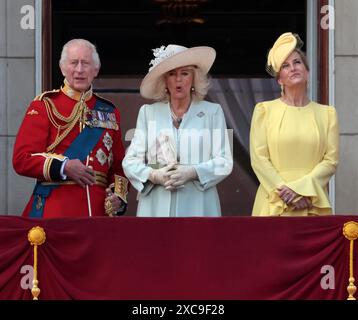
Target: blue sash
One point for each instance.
(80, 148)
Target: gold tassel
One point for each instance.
(36, 237)
(350, 231)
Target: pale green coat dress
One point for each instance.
(202, 141)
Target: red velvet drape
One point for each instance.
(178, 258)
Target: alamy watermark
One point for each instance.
(27, 21)
(26, 280)
(327, 20)
(28, 17)
(328, 280)
(159, 147)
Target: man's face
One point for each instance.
(79, 68)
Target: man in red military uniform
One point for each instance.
(70, 141)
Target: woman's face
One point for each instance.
(293, 72)
(179, 82)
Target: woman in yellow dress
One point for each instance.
(294, 142)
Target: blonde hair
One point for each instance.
(201, 85)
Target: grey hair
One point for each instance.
(95, 56)
(201, 86)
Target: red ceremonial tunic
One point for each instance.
(31, 159)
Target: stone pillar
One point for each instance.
(17, 89)
(346, 86)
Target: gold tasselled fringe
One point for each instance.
(350, 231)
(36, 237)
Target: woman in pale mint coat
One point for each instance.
(181, 149)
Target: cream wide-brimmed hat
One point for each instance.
(282, 48)
(171, 57)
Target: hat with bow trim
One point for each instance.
(171, 57)
(282, 48)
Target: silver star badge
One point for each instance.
(108, 142)
(101, 156)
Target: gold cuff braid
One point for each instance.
(108, 207)
(120, 187)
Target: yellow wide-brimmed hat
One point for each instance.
(171, 57)
(282, 48)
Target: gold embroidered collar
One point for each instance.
(74, 94)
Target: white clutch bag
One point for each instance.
(162, 152)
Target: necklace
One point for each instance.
(177, 120)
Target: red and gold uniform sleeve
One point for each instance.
(30, 157)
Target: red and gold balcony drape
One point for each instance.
(178, 258)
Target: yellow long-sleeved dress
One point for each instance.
(297, 147)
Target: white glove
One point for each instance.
(179, 176)
(159, 176)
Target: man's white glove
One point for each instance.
(159, 176)
(179, 176)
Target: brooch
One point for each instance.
(107, 140)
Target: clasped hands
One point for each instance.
(173, 176)
(289, 197)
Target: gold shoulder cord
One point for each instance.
(70, 121)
